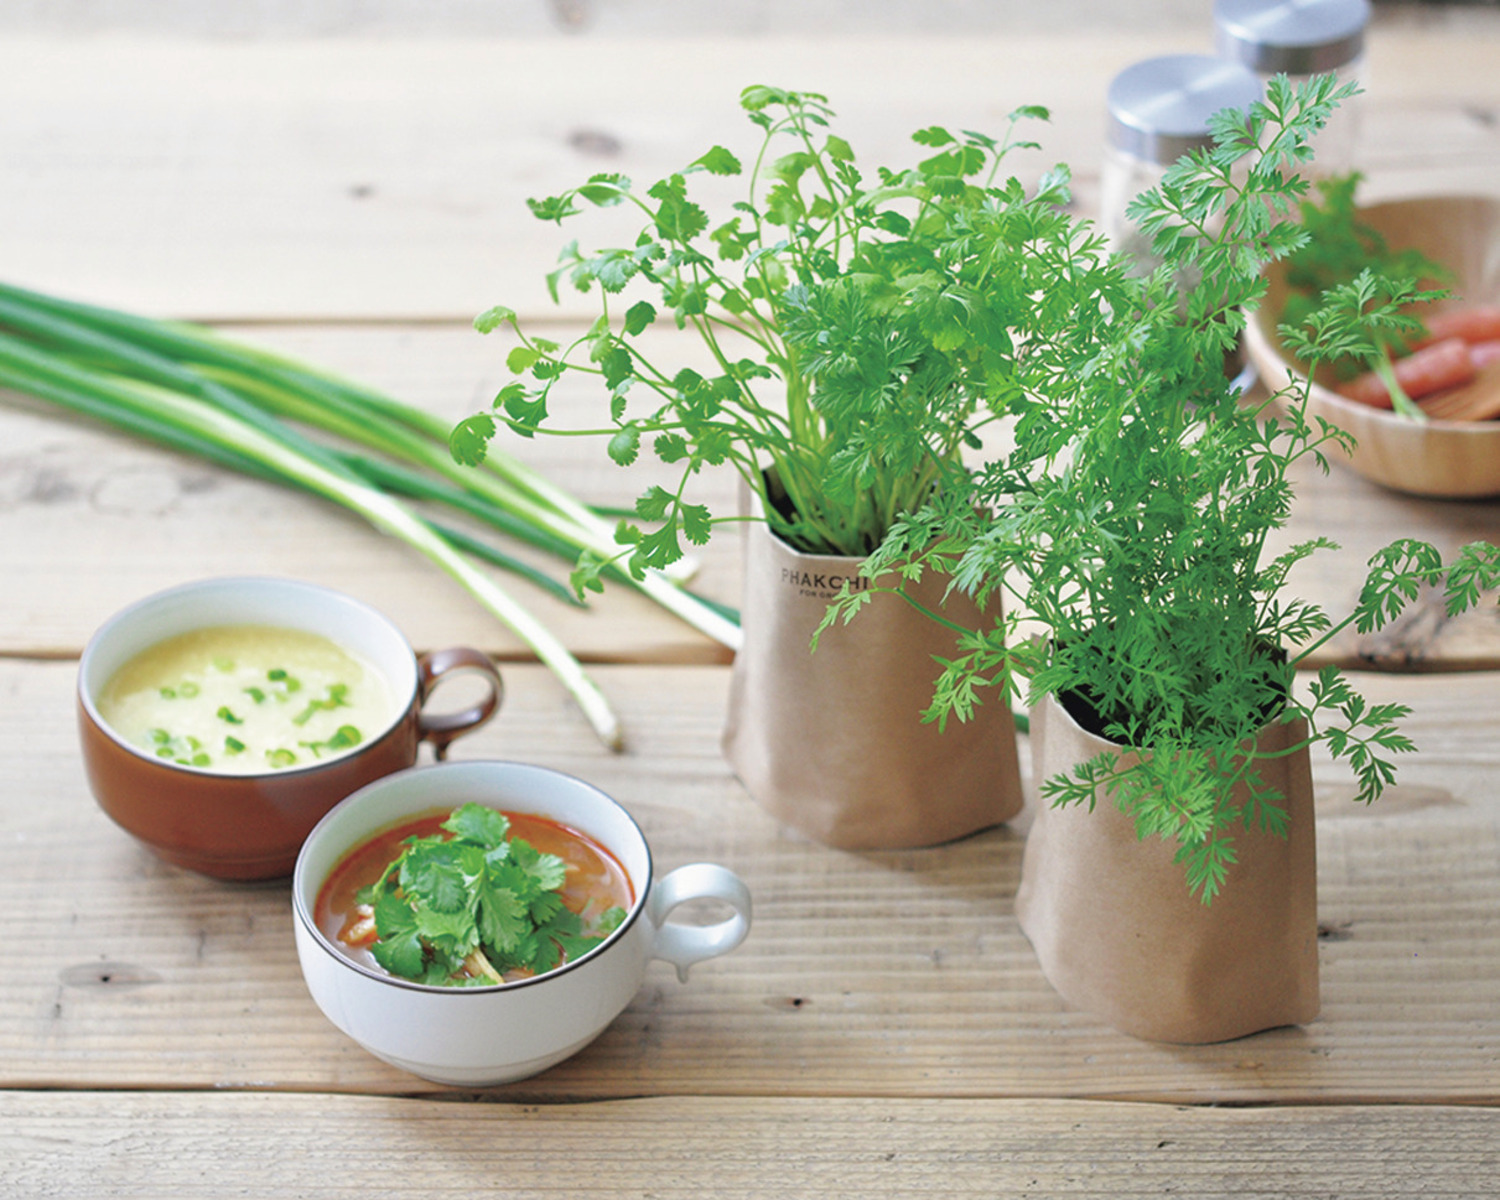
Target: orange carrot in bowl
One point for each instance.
(1445, 364)
(1472, 322)
(1485, 353)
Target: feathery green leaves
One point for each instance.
(1131, 520)
(863, 327)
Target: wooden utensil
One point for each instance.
(1478, 400)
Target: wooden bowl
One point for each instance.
(1451, 459)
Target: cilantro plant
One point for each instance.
(464, 907)
(862, 326)
(1130, 522)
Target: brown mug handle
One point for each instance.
(441, 729)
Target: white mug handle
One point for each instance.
(684, 945)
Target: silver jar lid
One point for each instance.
(1159, 107)
(1298, 37)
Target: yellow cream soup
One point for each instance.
(241, 699)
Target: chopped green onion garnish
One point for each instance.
(336, 698)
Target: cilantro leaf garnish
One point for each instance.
(463, 906)
(479, 823)
(398, 947)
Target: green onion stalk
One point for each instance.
(514, 497)
(194, 392)
(198, 425)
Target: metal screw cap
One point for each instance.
(1298, 37)
(1159, 107)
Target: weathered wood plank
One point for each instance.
(352, 200)
(1362, 517)
(303, 179)
(312, 1147)
(588, 18)
(91, 521)
(866, 974)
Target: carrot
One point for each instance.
(1444, 364)
(1472, 322)
(1485, 353)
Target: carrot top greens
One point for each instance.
(1132, 523)
(1340, 248)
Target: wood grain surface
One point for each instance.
(354, 200)
(151, 519)
(313, 1147)
(891, 974)
(386, 179)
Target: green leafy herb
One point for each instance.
(464, 907)
(1130, 521)
(1339, 249)
(227, 714)
(862, 327)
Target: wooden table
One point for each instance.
(885, 1031)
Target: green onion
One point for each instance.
(504, 491)
(185, 411)
(190, 389)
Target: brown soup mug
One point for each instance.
(251, 826)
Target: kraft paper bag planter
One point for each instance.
(832, 742)
(1118, 934)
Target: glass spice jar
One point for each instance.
(1159, 110)
(1300, 38)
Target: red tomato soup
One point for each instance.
(596, 881)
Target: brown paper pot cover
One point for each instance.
(1118, 934)
(1452, 459)
(832, 743)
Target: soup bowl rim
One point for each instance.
(404, 691)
